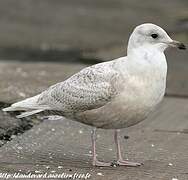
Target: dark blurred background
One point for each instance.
(73, 30)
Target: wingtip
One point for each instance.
(29, 113)
(20, 116)
(6, 109)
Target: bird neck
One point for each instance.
(153, 48)
(147, 55)
(146, 50)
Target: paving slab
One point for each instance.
(160, 142)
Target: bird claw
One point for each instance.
(128, 163)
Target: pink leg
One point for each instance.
(120, 160)
(95, 161)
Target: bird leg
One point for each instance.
(120, 160)
(95, 161)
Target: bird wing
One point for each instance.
(90, 88)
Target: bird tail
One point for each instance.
(29, 113)
(30, 105)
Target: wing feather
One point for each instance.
(88, 89)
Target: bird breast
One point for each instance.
(132, 105)
(140, 90)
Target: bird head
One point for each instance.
(151, 35)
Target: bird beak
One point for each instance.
(177, 44)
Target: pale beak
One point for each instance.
(177, 44)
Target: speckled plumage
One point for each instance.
(90, 88)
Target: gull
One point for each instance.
(111, 95)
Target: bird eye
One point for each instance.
(154, 36)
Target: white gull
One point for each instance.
(114, 94)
